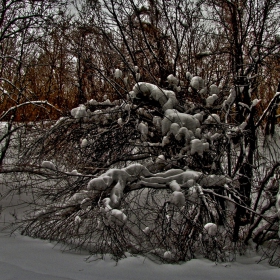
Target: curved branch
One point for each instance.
(266, 111)
(36, 103)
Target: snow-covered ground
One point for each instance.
(25, 258)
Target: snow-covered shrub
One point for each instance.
(152, 176)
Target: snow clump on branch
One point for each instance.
(79, 112)
(166, 98)
(197, 83)
(211, 229)
(182, 119)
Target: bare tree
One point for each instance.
(19, 22)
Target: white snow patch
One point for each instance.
(146, 230)
(211, 229)
(84, 143)
(78, 220)
(26, 258)
(174, 186)
(118, 73)
(167, 255)
(211, 99)
(117, 217)
(48, 164)
(197, 83)
(178, 199)
(172, 80)
(213, 119)
(79, 112)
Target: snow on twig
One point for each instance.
(36, 103)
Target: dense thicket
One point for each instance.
(66, 54)
(168, 141)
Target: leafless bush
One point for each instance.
(131, 176)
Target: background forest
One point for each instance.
(66, 52)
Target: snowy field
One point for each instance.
(23, 258)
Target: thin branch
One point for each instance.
(35, 103)
(271, 103)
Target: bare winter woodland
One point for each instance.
(148, 127)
